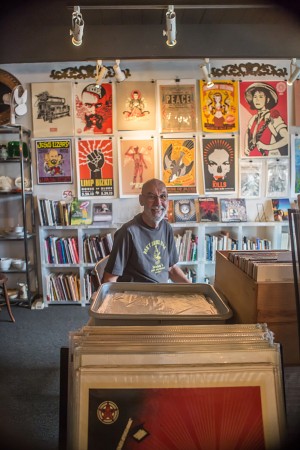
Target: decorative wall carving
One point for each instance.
(246, 69)
(83, 72)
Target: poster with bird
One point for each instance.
(178, 162)
(94, 161)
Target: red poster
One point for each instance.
(93, 106)
(263, 118)
(95, 168)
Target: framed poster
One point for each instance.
(219, 164)
(263, 119)
(137, 162)
(54, 161)
(177, 107)
(136, 105)
(52, 109)
(277, 178)
(233, 210)
(295, 165)
(178, 162)
(251, 175)
(94, 163)
(219, 106)
(93, 109)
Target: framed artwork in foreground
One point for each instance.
(52, 109)
(137, 162)
(54, 161)
(94, 163)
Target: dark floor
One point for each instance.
(30, 376)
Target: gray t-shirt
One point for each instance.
(141, 253)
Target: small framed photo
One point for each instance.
(102, 212)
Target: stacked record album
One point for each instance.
(184, 387)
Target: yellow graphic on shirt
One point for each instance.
(155, 248)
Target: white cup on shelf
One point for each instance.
(5, 263)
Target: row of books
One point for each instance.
(256, 244)
(54, 212)
(221, 241)
(90, 284)
(190, 273)
(76, 212)
(273, 265)
(62, 287)
(97, 247)
(61, 250)
(186, 245)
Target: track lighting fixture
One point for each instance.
(294, 72)
(77, 26)
(119, 75)
(170, 32)
(206, 73)
(101, 72)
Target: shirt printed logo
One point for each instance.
(155, 248)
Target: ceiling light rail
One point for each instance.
(138, 7)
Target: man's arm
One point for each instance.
(109, 278)
(177, 275)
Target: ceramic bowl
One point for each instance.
(18, 230)
(5, 263)
(18, 264)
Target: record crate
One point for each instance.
(260, 302)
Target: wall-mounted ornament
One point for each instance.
(246, 69)
(83, 72)
(7, 84)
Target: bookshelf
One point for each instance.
(67, 271)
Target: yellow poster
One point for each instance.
(219, 106)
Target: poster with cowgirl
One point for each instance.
(263, 119)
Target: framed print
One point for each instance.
(52, 109)
(219, 164)
(93, 109)
(295, 165)
(94, 163)
(280, 208)
(102, 212)
(263, 119)
(54, 161)
(186, 210)
(137, 162)
(251, 174)
(219, 106)
(178, 162)
(209, 209)
(177, 107)
(233, 210)
(277, 177)
(136, 105)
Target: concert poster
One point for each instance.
(219, 106)
(93, 108)
(52, 109)
(178, 163)
(94, 161)
(177, 107)
(219, 164)
(136, 106)
(137, 162)
(54, 161)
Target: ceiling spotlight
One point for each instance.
(170, 32)
(206, 73)
(101, 72)
(77, 26)
(119, 74)
(294, 72)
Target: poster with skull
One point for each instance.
(219, 160)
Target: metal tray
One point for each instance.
(224, 312)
